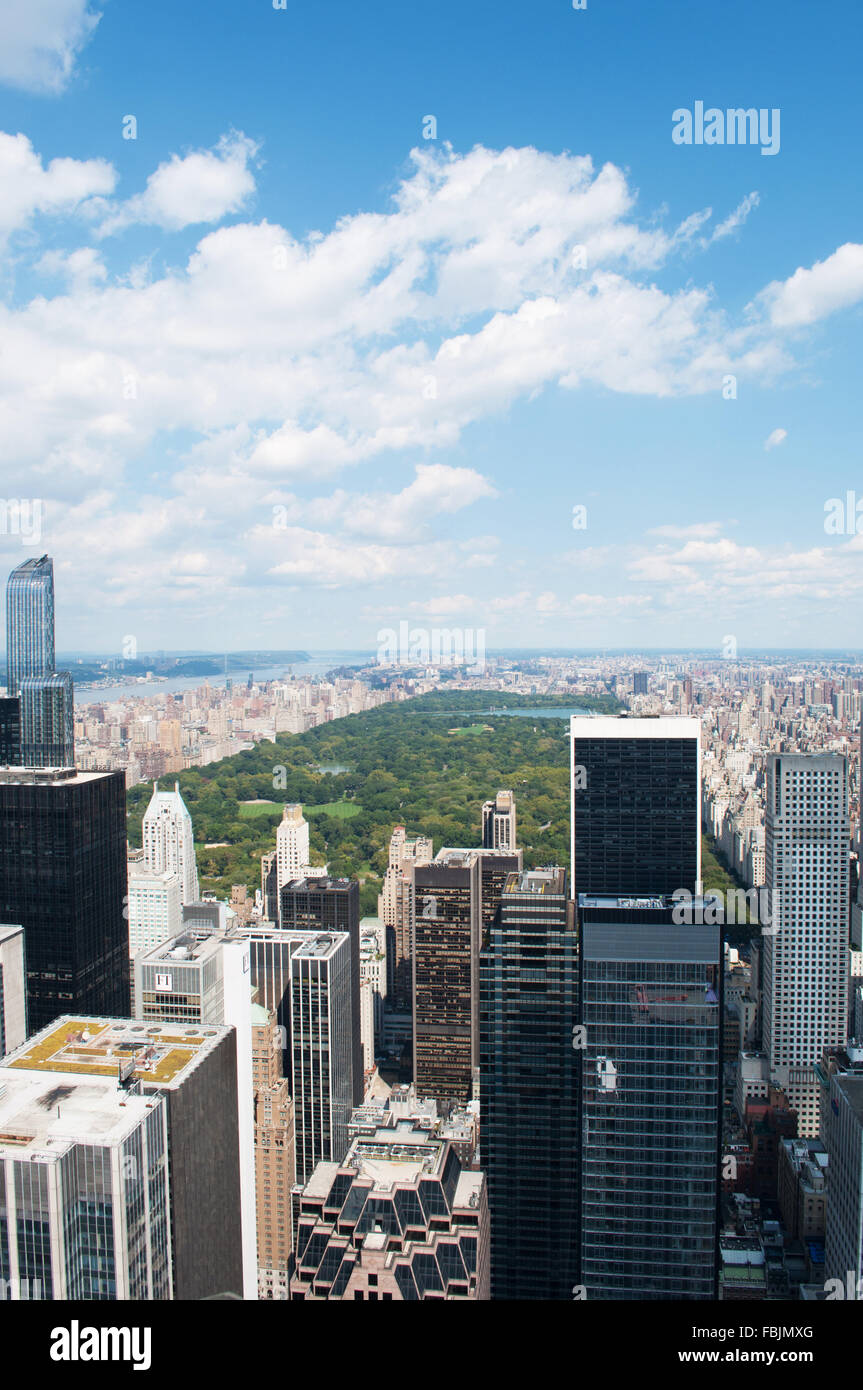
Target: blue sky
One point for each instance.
(282, 371)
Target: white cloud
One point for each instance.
(40, 41)
(737, 218)
(203, 186)
(774, 439)
(58, 189)
(814, 293)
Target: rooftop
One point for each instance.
(164, 1053)
(41, 1119)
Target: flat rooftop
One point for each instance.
(40, 1118)
(536, 881)
(186, 948)
(852, 1089)
(322, 946)
(164, 1053)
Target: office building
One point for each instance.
(195, 1074)
(639, 682)
(201, 977)
(636, 805)
(86, 1210)
(292, 845)
(275, 1158)
(396, 910)
(650, 1005)
(321, 1048)
(46, 708)
(155, 907)
(169, 840)
(805, 955)
(13, 989)
(398, 1219)
(330, 905)
(270, 887)
(498, 822)
(63, 879)
(373, 988)
(529, 1087)
(447, 927)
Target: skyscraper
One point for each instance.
(840, 1075)
(63, 878)
(46, 713)
(447, 926)
(29, 622)
(275, 1158)
(529, 1087)
(107, 1214)
(498, 822)
(10, 731)
(169, 840)
(292, 845)
(330, 904)
(396, 910)
(650, 1009)
(205, 977)
(636, 805)
(805, 952)
(321, 1049)
(47, 720)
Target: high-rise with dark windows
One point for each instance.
(650, 1006)
(447, 925)
(45, 698)
(636, 805)
(331, 904)
(63, 879)
(529, 1086)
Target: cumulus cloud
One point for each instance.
(41, 42)
(58, 189)
(810, 294)
(203, 186)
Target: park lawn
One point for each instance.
(343, 810)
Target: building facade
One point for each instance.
(13, 989)
(63, 879)
(498, 822)
(529, 1087)
(169, 840)
(805, 952)
(650, 1007)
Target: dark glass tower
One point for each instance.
(636, 805)
(10, 731)
(331, 904)
(447, 927)
(29, 622)
(529, 1087)
(63, 878)
(45, 695)
(48, 731)
(650, 1003)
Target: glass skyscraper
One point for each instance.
(636, 805)
(651, 1099)
(29, 622)
(529, 1085)
(45, 696)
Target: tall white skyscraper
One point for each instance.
(168, 839)
(805, 978)
(292, 845)
(155, 907)
(498, 822)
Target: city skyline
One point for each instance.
(303, 363)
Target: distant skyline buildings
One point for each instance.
(498, 822)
